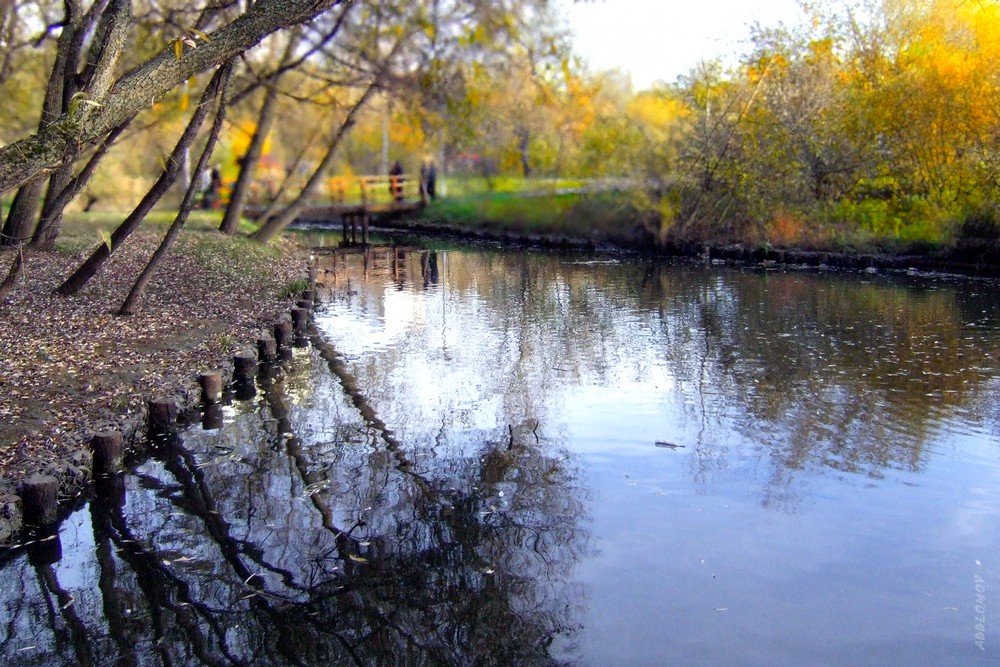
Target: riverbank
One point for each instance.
(609, 220)
(70, 368)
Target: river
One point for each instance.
(489, 457)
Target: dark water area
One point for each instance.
(519, 458)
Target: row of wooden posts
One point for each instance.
(39, 493)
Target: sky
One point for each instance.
(659, 40)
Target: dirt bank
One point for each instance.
(70, 368)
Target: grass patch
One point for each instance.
(602, 216)
(294, 288)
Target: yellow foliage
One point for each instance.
(656, 110)
(240, 136)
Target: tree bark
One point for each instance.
(24, 208)
(24, 159)
(105, 49)
(89, 268)
(13, 275)
(130, 305)
(248, 165)
(50, 222)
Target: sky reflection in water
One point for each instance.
(520, 458)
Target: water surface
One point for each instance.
(506, 458)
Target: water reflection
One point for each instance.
(303, 533)
(464, 469)
(828, 370)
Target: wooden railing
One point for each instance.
(375, 190)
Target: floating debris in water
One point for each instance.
(668, 445)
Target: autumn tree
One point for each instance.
(399, 50)
(105, 101)
(128, 94)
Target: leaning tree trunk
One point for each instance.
(130, 305)
(50, 222)
(23, 160)
(248, 166)
(89, 268)
(274, 226)
(24, 209)
(112, 19)
(13, 275)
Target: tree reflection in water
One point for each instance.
(256, 544)
(413, 493)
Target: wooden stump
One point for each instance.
(40, 500)
(304, 303)
(267, 349)
(244, 367)
(300, 317)
(283, 333)
(211, 387)
(162, 414)
(108, 452)
(307, 295)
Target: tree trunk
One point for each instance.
(274, 226)
(24, 208)
(21, 217)
(89, 268)
(15, 273)
(22, 160)
(130, 305)
(51, 220)
(248, 166)
(523, 143)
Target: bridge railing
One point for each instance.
(375, 190)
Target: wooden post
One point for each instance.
(108, 452)
(162, 414)
(308, 295)
(300, 317)
(244, 367)
(211, 387)
(40, 500)
(283, 334)
(304, 303)
(267, 349)
(364, 228)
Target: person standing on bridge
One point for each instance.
(428, 179)
(396, 181)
